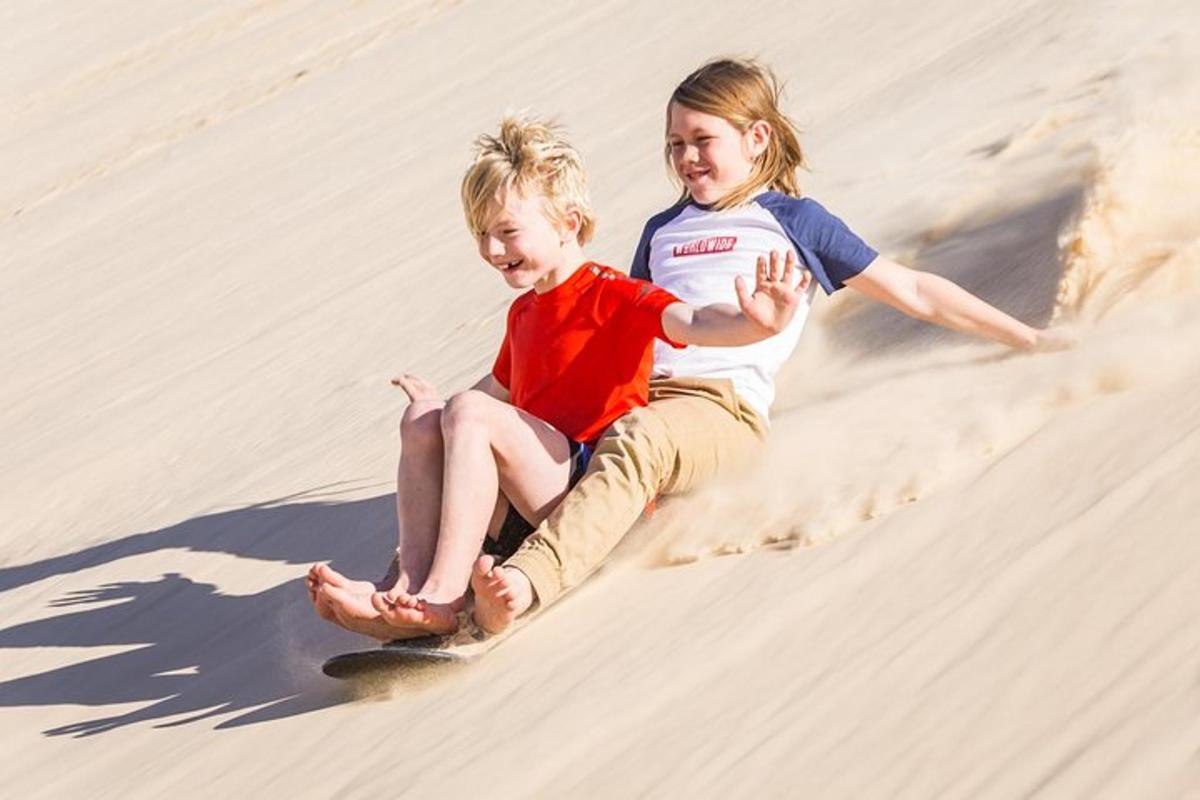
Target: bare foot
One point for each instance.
(404, 610)
(501, 594)
(324, 575)
(353, 611)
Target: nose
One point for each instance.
(490, 247)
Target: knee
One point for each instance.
(421, 420)
(467, 409)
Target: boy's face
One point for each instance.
(520, 242)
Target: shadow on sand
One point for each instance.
(204, 653)
(1011, 260)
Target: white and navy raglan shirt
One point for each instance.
(695, 253)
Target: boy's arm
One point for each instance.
(417, 388)
(490, 386)
(932, 298)
(764, 312)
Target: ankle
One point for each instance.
(430, 590)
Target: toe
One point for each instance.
(328, 574)
(382, 603)
(484, 565)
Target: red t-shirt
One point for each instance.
(579, 355)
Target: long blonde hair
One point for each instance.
(528, 154)
(742, 92)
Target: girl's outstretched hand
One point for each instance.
(416, 388)
(775, 298)
(1052, 339)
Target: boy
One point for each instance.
(488, 465)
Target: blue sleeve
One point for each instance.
(640, 268)
(830, 250)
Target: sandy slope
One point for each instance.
(222, 230)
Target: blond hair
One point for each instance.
(743, 92)
(528, 155)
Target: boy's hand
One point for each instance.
(416, 388)
(775, 299)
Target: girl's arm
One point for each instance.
(932, 298)
(763, 313)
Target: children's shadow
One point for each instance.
(1011, 259)
(199, 653)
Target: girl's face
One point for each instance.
(709, 154)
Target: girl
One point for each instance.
(735, 154)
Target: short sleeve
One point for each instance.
(640, 268)
(502, 369)
(650, 302)
(831, 251)
(841, 252)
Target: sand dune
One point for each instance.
(959, 572)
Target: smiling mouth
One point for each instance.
(505, 266)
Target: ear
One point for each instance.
(570, 225)
(758, 136)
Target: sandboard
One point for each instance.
(461, 648)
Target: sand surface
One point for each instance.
(959, 573)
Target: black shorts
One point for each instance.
(515, 528)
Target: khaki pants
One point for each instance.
(693, 428)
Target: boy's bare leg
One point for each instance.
(419, 492)
(490, 447)
(501, 594)
(418, 495)
(631, 462)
